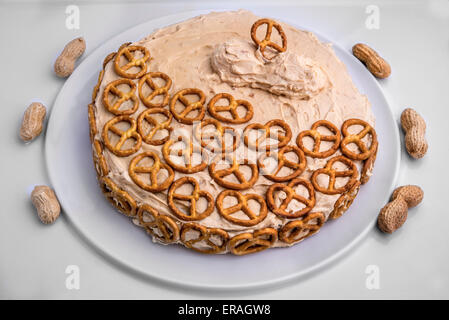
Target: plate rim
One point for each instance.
(179, 17)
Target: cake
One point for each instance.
(230, 133)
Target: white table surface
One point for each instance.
(413, 262)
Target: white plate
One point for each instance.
(69, 161)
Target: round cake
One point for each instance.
(230, 133)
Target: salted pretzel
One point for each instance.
(99, 161)
(192, 198)
(220, 175)
(243, 206)
(147, 117)
(352, 173)
(130, 133)
(368, 166)
(345, 200)
(291, 194)
(187, 153)
(206, 237)
(246, 243)
(92, 122)
(298, 230)
(128, 53)
(157, 91)
(119, 198)
(232, 106)
(266, 42)
(207, 139)
(189, 106)
(282, 161)
(122, 97)
(318, 137)
(283, 139)
(153, 170)
(356, 139)
(160, 226)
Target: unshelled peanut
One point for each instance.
(415, 129)
(46, 204)
(65, 63)
(394, 214)
(32, 121)
(373, 61)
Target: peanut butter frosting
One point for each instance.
(215, 53)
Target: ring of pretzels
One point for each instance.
(219, 175)
(232, 106)
(318, 137)
(283, 139)
(204, 235)
(119, 198)
(162, 227)
(206, 139)
(127, 51)
(266, 42)
(187, 154)
(123, 97)
(298, 230)
(357, 140)
(153, 171)
(157, 126)
(130, 133)
(297, 167)
(243, 206)
(157, 91)
(192, 198)
(189, 106)
(291, 195)
(246, 243)
(351, 172)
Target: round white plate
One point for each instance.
(69, 161)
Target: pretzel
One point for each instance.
(206, 139)
(189, 106)
(293, 231)
(352, 173)
(266, 42)
(345, 200)
(157, 126)
(153, 171)
(243, 206)
(99, 161)
(282, 161)
(187, 154)
(130, 133)
(97, 86)
(318, 137)
(205, 235)
(122, 97)
(127, 51)
(160, 226)
(232, 106)
(157, 91)
(246, 243)
(192, 198)
(290, 195)
(219, 175)
(119, 198)
(92, 122)
(282, 139)
(357, 139)
(368, 166)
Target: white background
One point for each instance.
(413, 262)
